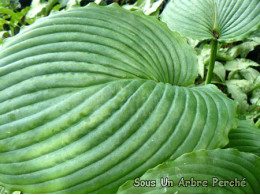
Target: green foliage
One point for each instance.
(149, 7)
(243, 81)
(11, 20)
(225, 20)
(12, 4)
(203, 165)
(41, 8)
(237, 77)
(93, 83)
(218, 20)
(106, 94)
(3, 191)
(246, 137)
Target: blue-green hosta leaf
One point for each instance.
(89, 99)
(137, 49)
(246, 138)
(213, 167)
(232, 20)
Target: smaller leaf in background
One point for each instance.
(71, 3)
(12, 4)
(257, 82)
(201, 67)
(253, 115)
(20, 18)
(246, 91)
(243, 49)
(4, 191)
(4, 3)
(63, 3)
(222, 54)
(17, 192)
(220, 71)
(11, 21)
(3, 35)
(38, 8)
(77, 3)
(193, 42)
(9, 12)
(15, 4)
(246, 137)
(255, 98)
(250, 74)
(101, 2)
(203, 59)
(256, 36)
(238, 90)
(239, 64)
(149, 7)
(2, 22)
(56, 8)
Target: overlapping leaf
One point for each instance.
(246, 138)
(219, 168)
(87, 102)
(227, 20)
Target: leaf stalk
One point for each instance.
(213, 54)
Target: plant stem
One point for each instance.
(213, 54)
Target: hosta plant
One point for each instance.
(95, 96)
(210, 171)
(246, 137)
(214, 171)
(217, 20)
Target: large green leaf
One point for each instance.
(246, 138)
(213, 166)
(227, 20)
(87, 102)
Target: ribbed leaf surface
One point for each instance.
(86, 102)
(246, 138)
(233, 20)
(224, 170)
(115, 44)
